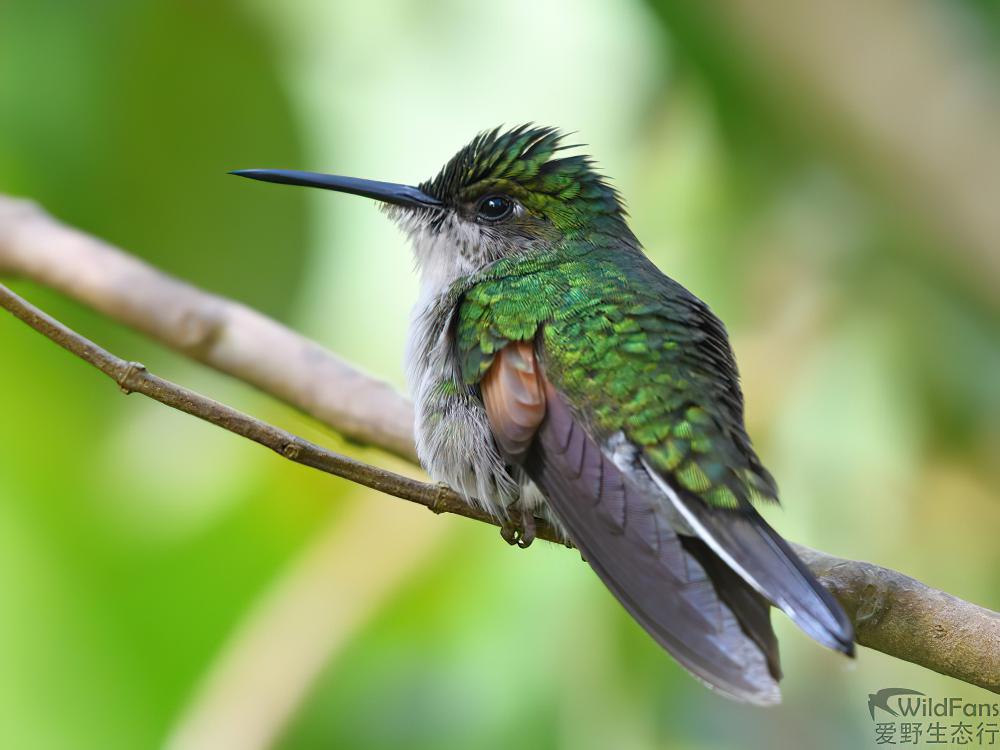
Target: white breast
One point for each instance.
(454, 441)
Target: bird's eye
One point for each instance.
(495, 208)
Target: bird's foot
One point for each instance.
(519, 528)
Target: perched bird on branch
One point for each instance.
(557, 372)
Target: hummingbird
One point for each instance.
(557, 373)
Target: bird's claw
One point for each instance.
(519, 528)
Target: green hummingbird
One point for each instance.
(556, 372)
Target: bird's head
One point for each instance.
(504, 193)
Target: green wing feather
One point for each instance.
(632, 351)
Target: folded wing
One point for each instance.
(677, 588)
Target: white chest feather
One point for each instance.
(454, 441)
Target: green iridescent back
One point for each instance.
(631, 351)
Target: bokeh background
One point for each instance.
(826, 175)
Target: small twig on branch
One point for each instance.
(892, 613)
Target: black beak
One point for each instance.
(387, 192)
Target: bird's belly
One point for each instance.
(456, 447)
(453, 437)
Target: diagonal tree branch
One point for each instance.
(133, 377)
(218, 332)
(892, 613)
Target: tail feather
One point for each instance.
(748, 545)
(752, 611)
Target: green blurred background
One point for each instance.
(825, 175)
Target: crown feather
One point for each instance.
(525, 155)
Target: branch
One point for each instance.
(902, 617)
(133, 377)
(218, 332)
(892, 613)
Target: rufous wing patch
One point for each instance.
(514, 394)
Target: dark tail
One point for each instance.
(751, 548)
